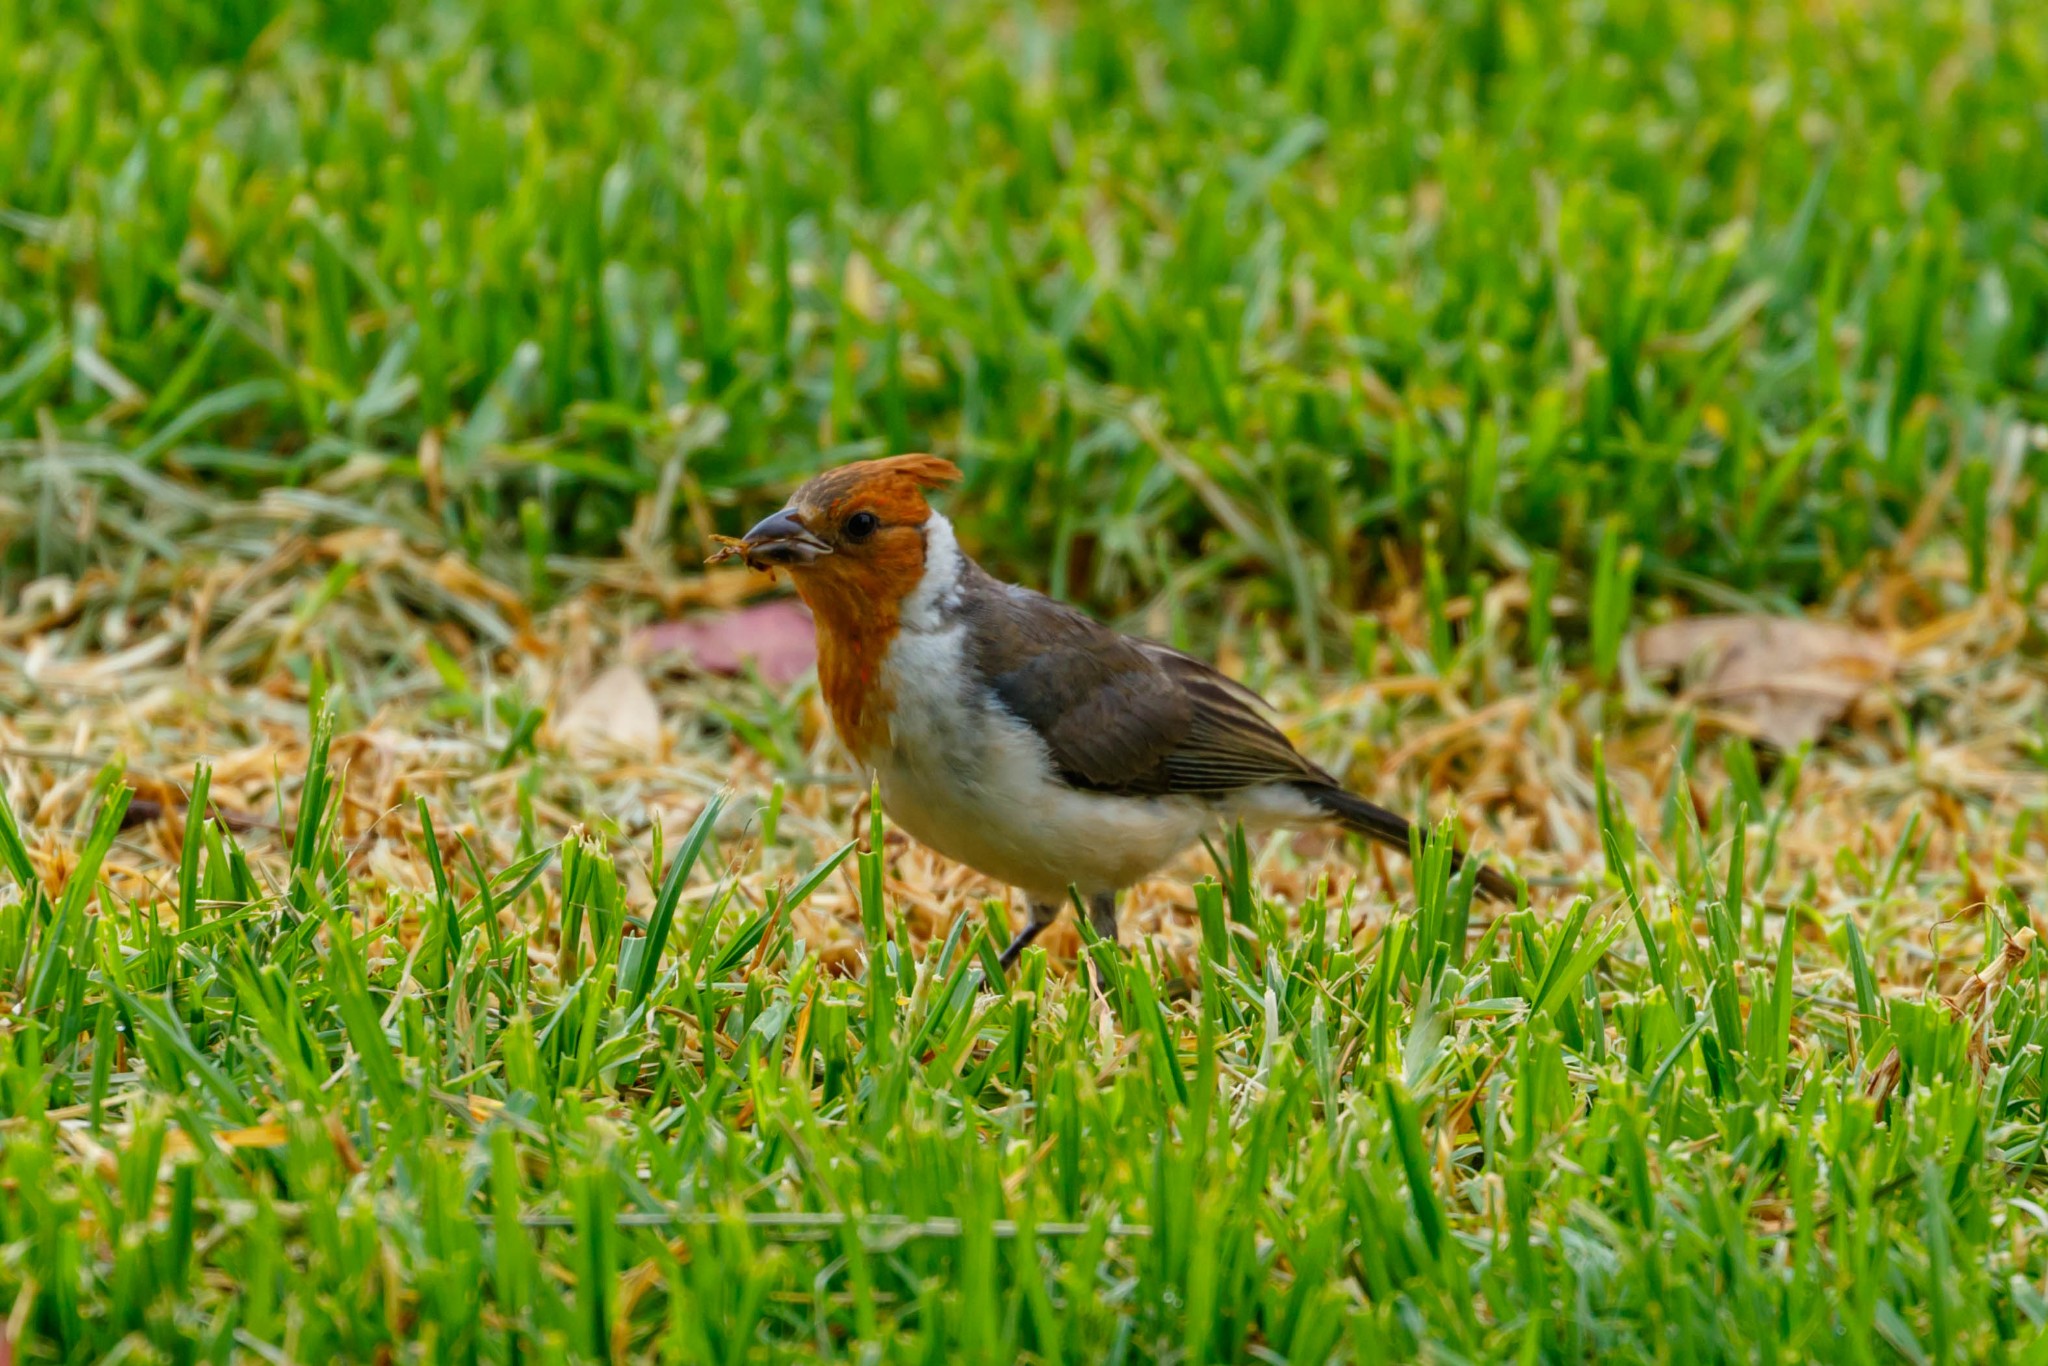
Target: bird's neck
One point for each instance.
(858, 619)
(854, 636)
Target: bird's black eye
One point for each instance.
(862, 525)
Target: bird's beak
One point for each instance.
(781, 540)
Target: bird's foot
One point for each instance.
(1041, 915)
(1102, 919)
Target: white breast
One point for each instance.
(968, 778)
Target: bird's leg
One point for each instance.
(1042, 914)
(1102, 916)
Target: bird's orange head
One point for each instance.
(858, 528)
(853, 542)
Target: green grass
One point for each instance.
(1246, 317)
(1190, 286)
(321, 1118)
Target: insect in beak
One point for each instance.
(777, 541)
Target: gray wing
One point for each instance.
(1123, 715)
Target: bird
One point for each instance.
(1014, 733)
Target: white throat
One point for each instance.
(938, 589)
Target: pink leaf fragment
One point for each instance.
(775, 636)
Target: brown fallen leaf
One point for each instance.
(1788, 677)
(775, 636)
(615, 712)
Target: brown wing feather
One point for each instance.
(1122, 715)
(1230, 743)
(1139, 719)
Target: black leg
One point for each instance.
(1041, 916)
(1102, 914)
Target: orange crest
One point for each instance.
(894, 485)
(925, 471)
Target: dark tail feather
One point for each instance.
(1378, 823)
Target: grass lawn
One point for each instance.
(373, 374)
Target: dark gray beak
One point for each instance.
(781, 540)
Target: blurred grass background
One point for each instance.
(406, 1026)
(1191, 288)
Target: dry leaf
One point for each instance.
(775, 636)
(616, 712)
(462, 578)
(1788, 677)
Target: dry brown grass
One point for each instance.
(208, 658)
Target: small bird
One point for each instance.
(1012, 733)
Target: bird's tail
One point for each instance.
(1377, 823)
